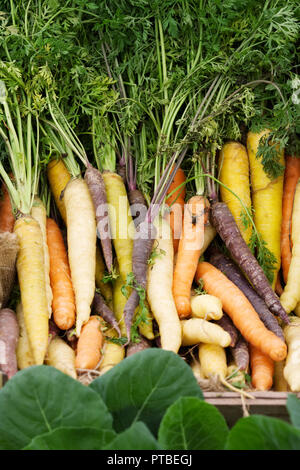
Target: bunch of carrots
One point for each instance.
(183, 278)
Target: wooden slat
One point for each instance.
(230, 404)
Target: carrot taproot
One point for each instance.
(234, 173)
(240, 353)
(89, 344)
(121, 223)
(241, 311)
(198, 330)
(63, 303)
(81, 233)
(266, 194)
(206, 306)
(7, 218)
(291, 176)
(58, 177)
(190, 244)
(159, 289)
(95, 183)
(104, 287)
(31, 276)
(262, 369)
(39, 213)
(112, 352)
(175, 199)
(61, 356)
(290, 296)
(23, 350)
(119, 301)
(227, 228)
(100, 308)
(291, 371)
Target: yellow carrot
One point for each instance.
(31, 275)
(208, 307)
(39, 213)
(197, 330)
(234, 173)
(267, 199)
(81, 232)
(23, 351)
(119, 302)
(121, 222)
(58, 177)
(112, 353)
(61, 356)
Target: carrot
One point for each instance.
(7, 218)
(291, 176)
(39, 213)
(81, 232)
(291, 292)
(119, 302)
(234, 173)
(291, 371)
(112, 353)
(262, 369)
(121, 223)
(190, 244)
(226, 323)
(240, 310)
(23, 351)
(177, 187)
(100, 308)
(240, 353)
(104, 287)
(61, 356)
(31, 275)
(266, 194)
(206, 306)
(197, 330)
(63, 303)
(95, 183)
(58, 177)
(9, 333)
(175, 200)
(229, 268)
(159, 289)
(226, 227)
(89, 344)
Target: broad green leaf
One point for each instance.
(72, 438)
(136, 437)
(41, 398)
(192, 424)
(143, 386)
(260, 432)
(293, 407)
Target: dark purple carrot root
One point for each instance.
(231, 270)
(9, 334)
(142, 246)
(100, 308)
(240, 354)
(226, 227)
(134, 348)
(138, 205)
(96, 187)
(121, 170)
(227, 325)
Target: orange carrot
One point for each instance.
(241, 312)
(291, 176)
(89, 344)
(189, 249)
(176, 203)
(7, 218)
(262, 369)
(63, 302)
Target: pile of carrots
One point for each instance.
(189, 284)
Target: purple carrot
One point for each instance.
(96, 187)
(9, 335)
(142, 246)
(138, 205)
(231, 270)
(227, 228)
(134, 348)
(227, 325)
(240, 353)
(100, 308)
